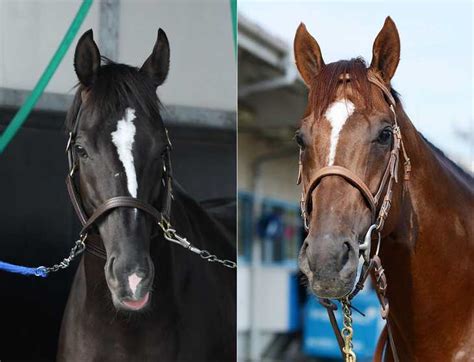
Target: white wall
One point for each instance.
(203, 66)
(30, 32)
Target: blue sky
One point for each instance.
(435, 75)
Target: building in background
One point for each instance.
(271, 102)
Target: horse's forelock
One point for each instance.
(332, 77)
(117, 87)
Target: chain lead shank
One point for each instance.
(77, 249)
(347, 331)
(170, 234)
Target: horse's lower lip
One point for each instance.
(137, 304)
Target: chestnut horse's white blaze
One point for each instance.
(123, 139)
(337, 115)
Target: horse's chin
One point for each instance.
(335, 290)
(131, 304)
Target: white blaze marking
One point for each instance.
(133, 281)
(337, 115)
(123, 139)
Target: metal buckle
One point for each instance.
(73, 169)
(168, 138)
(69, 142)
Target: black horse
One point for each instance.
(148, 299)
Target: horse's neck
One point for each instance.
(188, 272)
(428, 256)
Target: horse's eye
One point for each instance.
(385, 136)
(299, 140)
(80, 151)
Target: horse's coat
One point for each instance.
(123, 139)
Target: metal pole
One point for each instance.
(109, 24)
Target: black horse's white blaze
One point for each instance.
(123, 138)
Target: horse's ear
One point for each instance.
(158, 63)
(309, 60)
(386, 50)
(86, 59)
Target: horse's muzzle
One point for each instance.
(330, 264)
(129, 282)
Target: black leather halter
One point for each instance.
(94, 245)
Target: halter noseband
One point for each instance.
(162, 217)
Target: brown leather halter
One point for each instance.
(371, 264)
(94, 244)
(161, 217)
(389, 177)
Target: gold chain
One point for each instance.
(347, 331)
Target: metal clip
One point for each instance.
(69, 142)
(73, 169)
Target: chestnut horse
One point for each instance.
(427, 245)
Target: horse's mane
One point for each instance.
(326, 83)
(117, 86)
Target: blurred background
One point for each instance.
(38, 225)
(277, 320)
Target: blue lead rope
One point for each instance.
(18, 269)
(43, 271)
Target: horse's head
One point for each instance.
(348, 123)
(118, 147)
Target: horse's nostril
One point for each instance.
(109, 267)
(347, 245)
(345, 255)
(304, 247)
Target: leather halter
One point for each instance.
(390, 174)
(94, 244)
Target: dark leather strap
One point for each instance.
(75, 200)
(95, 246)
(331, 309)
(381, 344)
(117, 202)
